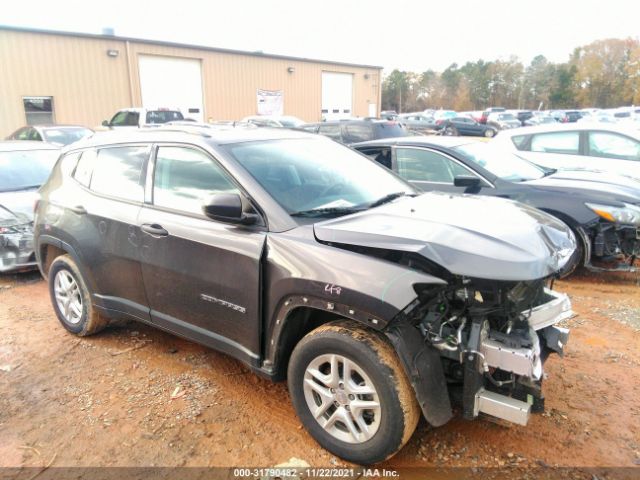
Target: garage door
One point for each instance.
(170, 82)
(337, 95)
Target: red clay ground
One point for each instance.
(107, 400)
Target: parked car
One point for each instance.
(602, 210)
(489, 111)
(388, 115)
(24, 166)
(601, 116)
(559, 115)
(540, 118)
(522, 115)
(503, 121)
(352, 131)
(129, 118)
(599, 147)
(307, 261)
(466, 126)
(573, 115)
(55, 134)
(277, 121)
(443, 115)
(417, 122)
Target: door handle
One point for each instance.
(154, 229)
(78, 210)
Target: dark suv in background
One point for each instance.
(354, 131)
(307, 261)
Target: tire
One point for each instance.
(489, 133)
(376, 377)
(68, 289)
(451, 131)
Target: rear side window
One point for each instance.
(185, 179)
(118, 172)
(358, 132)
(556, 142)
(84, 169)
(388, 130)
(331, 131)
(163, 116)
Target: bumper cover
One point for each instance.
(16, 251)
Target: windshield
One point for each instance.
(506, 116)
(163, 116)
(25, 169)
(291, 122)
(389, 129)
(316, 173)
(499, 162)
(65, 136)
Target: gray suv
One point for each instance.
(309, 262)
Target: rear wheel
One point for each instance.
(489, 133)
(451, 131)
(350, 392)
(71, 298)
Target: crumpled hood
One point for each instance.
(17, 205)
(619, 187)
(470, 235)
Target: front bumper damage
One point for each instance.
(16, 248)
(611, 246)
(486, 366)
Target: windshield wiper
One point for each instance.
(318, 212)
(387, 199)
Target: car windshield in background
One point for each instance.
(24, 169)
(390, 129)
(502, 164)
(163, 116)
(290, 122)
(65, 136)
(506, 116)
(310, 174)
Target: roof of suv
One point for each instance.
(188, 134)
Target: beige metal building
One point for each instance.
(48, 76)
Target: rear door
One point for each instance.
(202, 277)
(559, 150)
(102, 220)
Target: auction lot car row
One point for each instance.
(307, 261)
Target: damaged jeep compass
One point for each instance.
(311, 263)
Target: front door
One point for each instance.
(202, 277)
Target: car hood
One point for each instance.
(598, 184)
(17, 207)
(474, 236)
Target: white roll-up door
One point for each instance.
(337, 95)
(172, 82)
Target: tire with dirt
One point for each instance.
(71, 298)
(351, 393)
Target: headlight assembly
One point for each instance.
(629, 214)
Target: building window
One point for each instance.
(38, 110)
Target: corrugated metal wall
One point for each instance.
(88, 86)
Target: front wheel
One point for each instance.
(489, 133)
(351, 393)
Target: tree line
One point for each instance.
(602, 74)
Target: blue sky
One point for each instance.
(406, 34)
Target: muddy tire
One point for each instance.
(71, 299)
(351, 393)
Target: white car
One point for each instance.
(582, 146)
(142, 117)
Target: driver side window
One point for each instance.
(185, 179)
(420, 165)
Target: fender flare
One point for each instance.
(44, 240)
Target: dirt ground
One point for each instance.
(134, 396)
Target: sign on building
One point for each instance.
(270, 102)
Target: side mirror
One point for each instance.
(471, 184)
(227, 208)
(105, 123)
